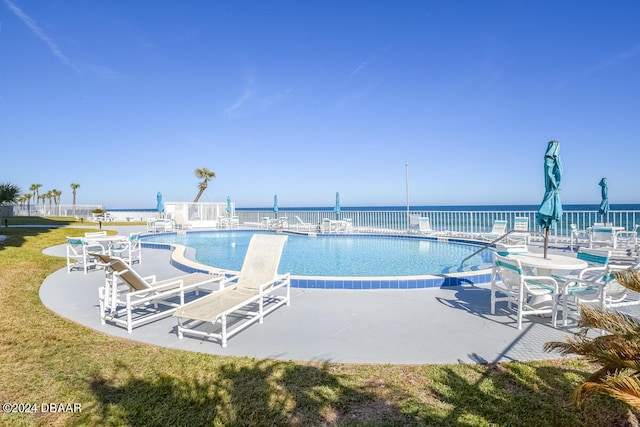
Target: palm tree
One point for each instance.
(49, 196)
(28, 196)
(74, 188)
(205, 175)
(35, 188)
(8, 194)
(56, 198)
(618, 352)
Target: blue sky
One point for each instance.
(306, 98)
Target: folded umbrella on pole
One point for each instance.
(550, 211)
(604, 205)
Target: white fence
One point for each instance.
(467, 222)
(80, 211)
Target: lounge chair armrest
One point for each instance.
(227, 280)
(275, 282)
(151, 278)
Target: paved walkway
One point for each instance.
(449, 325)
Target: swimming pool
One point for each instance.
(347, 261)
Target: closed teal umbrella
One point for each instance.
(550, 210)
(228, 206)
(604, 205)
(275, 204)
(159, 203)
(336, 208)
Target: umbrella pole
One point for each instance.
(546, 240)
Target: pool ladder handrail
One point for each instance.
(489, 245)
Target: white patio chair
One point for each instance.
(520, 232)
(303, 226)
(600, 236)
(498, 229)
(78, 251)
(584, 281)
(626, 239)
(522, 290)
(252, 296)
(424, 225)
(129, 299)
(578, 237)
(129, 250)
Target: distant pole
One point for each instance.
(406, 179)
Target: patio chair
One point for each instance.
(626, 239)
(524, 291)
(129, 250)
(584, 281)
(249, 299)
(303, 226)
(498, 229)
(180, 223)
(78, 250)
(129, 299)
(603, 290)
(520, 232)
(578, 237)
(424, 225)
(601, 236)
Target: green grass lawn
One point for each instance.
(45, 358)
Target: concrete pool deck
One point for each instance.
(409, 326)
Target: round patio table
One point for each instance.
(544, 266)
(555, 262)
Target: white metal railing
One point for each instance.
(80, 211)
(467, 222)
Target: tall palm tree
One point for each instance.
(56, 198)
(205, 175)
(49, 196)
(74, 188)
(36, 192)
(28, 196)
(617, 352)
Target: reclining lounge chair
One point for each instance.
(244, 302)
(129, 299)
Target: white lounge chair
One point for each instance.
(518, 288)
(129, 299)
(303, 226)
(129, 250)
(249, 299)
(499, 229)
(180, 223)
(424, 225)
(78, 250)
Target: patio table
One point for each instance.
(544, 267)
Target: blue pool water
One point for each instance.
(337, 255)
